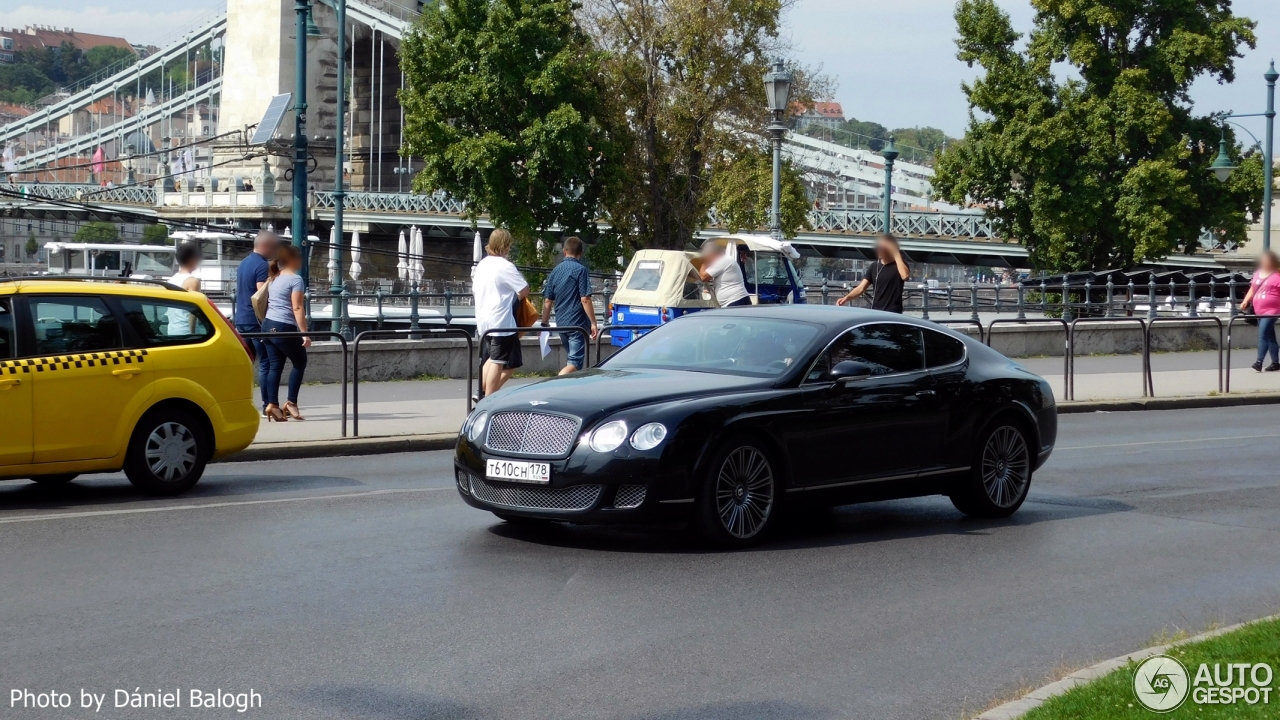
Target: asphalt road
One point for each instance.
(364, 588)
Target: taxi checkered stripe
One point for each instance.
(68, 362)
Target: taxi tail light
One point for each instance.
(248, 348)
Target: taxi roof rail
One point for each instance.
(89, 278)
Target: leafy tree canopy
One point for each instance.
(98, 232)
(1108, 167)
(741, 191)
(155, 235)
(500, 102)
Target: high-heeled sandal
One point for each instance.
(291, 409)
(274, 414)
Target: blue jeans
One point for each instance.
(575, 348)
(277, 352)
(259, 352)
(1267, 340)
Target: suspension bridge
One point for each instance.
(166, 139)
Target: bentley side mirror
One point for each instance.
(846, 370)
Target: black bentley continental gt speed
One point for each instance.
(726, 417)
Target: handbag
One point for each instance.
(526, 313)
(259, 300)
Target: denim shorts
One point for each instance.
(575, 347)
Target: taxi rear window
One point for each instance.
(161, 323)
(73, 324)
(8, 337)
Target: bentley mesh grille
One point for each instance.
(629, 496)
(531, 433)
(576, 497)
(464, 484)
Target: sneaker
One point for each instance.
(1257, 367)
(1273, 367)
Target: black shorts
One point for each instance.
(502, 350)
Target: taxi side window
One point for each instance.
(77, 324)
(161, 323)
(8, 336)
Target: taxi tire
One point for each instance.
(59, 479)
(139, 471)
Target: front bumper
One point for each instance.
(586, 487)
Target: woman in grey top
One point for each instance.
(286, 313)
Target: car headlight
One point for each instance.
(609, 436)
(648, 437)
(476, 431)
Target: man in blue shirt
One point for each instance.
(568, 288)
(251, 275)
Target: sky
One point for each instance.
(893, 61)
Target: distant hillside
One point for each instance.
(919, 144)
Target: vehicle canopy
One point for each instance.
(759, 243)
(663, 278)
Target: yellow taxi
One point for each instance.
(102, 375)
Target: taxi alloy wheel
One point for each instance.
(167, 454)
(171, 451)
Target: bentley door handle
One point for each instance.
(922, 394)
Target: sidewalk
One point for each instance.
(428, 413)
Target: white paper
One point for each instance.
(544, 343)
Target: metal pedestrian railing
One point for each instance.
(1231, 323)
(1066, 342)
(1071, 349)
(1146, 347)
(268, 336)
(434, 333)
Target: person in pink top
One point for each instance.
(1264, 295)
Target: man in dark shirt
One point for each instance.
(888, 274)
(251, 275)
(568, 288)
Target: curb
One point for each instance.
(1168, 403)
(1034, 699)
(339, 447)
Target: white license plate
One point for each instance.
(516, 471)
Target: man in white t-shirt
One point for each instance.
(724, 274)
(498, 285)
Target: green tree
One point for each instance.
(686, 90)
(155, 235)
(98, 232)
(1107, 168)
(32, 247)
(741, 190)
(500, 102)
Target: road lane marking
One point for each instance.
(1169, 442)
(203, 506)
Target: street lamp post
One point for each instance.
(1222, 166)
(889, 153)
(303, 29)
(777, 90)
(339, 193)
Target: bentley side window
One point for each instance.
(887, 347)
(941, 349)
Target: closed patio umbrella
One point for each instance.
(402, 262)
(356, 268)
(333, 255)
(416, 252)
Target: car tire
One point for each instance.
(167, 452)
(738, 502)
(1000, 476)
(59, 479)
